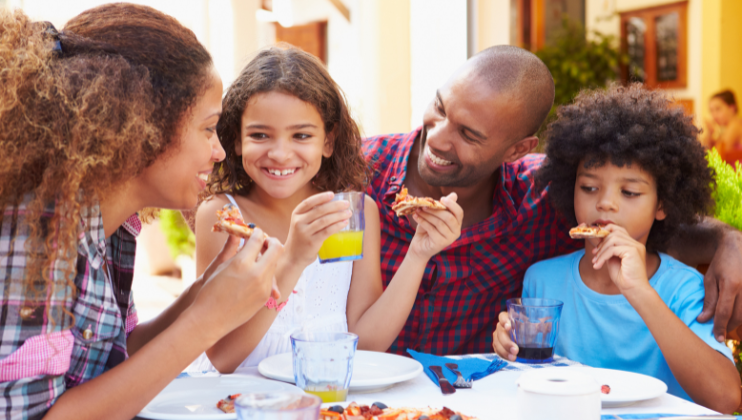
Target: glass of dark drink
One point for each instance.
(535, 324)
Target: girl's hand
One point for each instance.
(237, 284)
(313, 221)
(504, 346)
(436, 229)
(626, 259)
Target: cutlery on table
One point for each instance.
(460, 381)
(446, 387)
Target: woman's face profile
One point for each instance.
(175, 179)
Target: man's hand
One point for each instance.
(723, 284)
(436, 229)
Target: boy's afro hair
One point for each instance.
(630, 125)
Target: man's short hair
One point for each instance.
(509, 69)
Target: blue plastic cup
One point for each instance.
(323, 363)
(535, 325)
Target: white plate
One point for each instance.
(372, 371)
(196, 398)
(626, 387)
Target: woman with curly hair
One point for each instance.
(291, 143)
(114, 114)
(628, 160)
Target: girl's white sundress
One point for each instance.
(316, 304)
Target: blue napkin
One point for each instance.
(470, 368)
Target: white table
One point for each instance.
(493, 398)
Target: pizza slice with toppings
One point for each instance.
(406, 204)
(227, 404)
(230, 221)
(379, 411)
(585, 232)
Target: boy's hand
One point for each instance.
(504, 346)
(313, 221)
(436, 229)
(626, 259)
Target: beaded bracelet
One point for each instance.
(272, 304)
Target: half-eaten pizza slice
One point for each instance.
(585, 232)
(406, 204)
(230, 221)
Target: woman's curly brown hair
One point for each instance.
(78, 122)
(289, 70)
(630, 125)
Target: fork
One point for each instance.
(460, 381)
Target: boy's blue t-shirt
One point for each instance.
(605, 331)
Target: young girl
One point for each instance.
(291, 143)
(113, 114)
(628, 159)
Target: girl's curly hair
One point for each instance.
(81, 112)
(289, 70)
(630, 125)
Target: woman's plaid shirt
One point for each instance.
(465, 286)
(39, 359)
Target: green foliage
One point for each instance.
(577, 62)
(180, 239)
(728, 190)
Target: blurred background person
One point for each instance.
(724, 130)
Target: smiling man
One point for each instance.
(475, 140)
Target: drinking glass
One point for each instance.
(277, 406)
(535, 324)
(323, 363)
(347, 244)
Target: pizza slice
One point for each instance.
(379, 411)
(230, 221)
(227, 404)
(585, 232)
(406, 204)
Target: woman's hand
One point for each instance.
(238, 282)
(626, 259)
(503, 345)
(313, 221)
(436, 229)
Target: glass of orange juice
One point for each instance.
(347, 244)
(323, 363)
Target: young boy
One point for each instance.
(627, 159)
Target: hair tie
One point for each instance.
(51, 31)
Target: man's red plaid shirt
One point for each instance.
(465, 287)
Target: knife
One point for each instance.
(446, 387)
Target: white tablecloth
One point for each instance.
(493, 398)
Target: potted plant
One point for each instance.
(727, 191)
(578, 60)
(181, 242)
